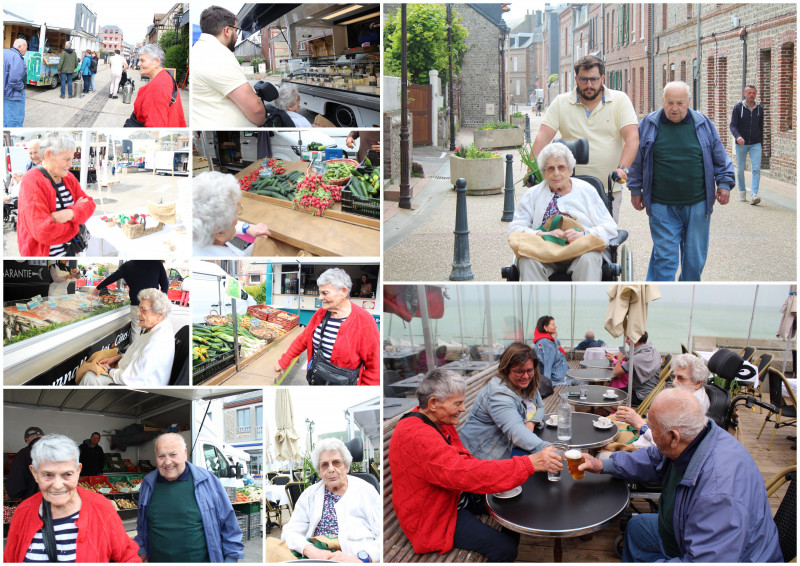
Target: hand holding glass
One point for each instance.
(559, 448)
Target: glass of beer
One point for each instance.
(559, 448)
(574, 459)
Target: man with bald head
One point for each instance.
(681, 168)
(35, 155)
(185, 514)
(713, 505)
(15, 72)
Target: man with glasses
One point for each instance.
(603, 116)
(138, 274)
(221, 94)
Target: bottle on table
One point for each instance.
(564, 418)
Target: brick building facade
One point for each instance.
(111, 38)
(627, 48)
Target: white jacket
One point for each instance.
(228, 250)
(358, 512)
(148, 362)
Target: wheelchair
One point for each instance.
(10, 213)
(621, 265)
(276, 118)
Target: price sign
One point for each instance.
(22, 307)
(233, 288)
(52, 303)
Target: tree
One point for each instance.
(258, 292)
(176, 55)
(426, 26)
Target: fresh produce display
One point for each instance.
(114, 503)
(125, 504)
(315, 146)
(276, 166)
(281, 187)
(246, 182)
(314, 195)
(366, 182)
(217, 320)
(216, 340)
(124, 219)
(122, 486)
(136, 481)
(85, 485)
(260, 312)
(248, 493)
(8, 512)
(338, 170)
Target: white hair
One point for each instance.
(442, 384)
(215, 198)
(336, 277)
(56, 143)
(676, 84)
(331, 445)
(677, 409)
(20, 42)
(153, 51)
(287, 96)
(161, 304)
(699, 370)
(555, 150)
(54, 448)
(67, 45)
(170, 435)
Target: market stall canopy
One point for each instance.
(253, 17)
(287, 446)
(403, 300)
(627, 309)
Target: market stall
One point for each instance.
(146, 238)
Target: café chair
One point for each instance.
(785, 413)
(280, 480)
(293, 490)
(786, 515)
(684, 349)
(273, 509)
(747, 353)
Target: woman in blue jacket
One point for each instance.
(552, 361)
(86, 71)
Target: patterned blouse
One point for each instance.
(328, 524)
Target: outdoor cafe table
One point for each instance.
(591, 374)
(562, 509)
(410, 382)
(401, 358)
(458, 365)
(595, 396)
(596, 364)
(584, 434)
(393, 406)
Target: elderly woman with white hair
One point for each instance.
(345, 509)
(289, 101)
(341, 339)
(64, 522)
(52, 204)
(560, 194)
(158, 103)
(215, 222)
(148, 361)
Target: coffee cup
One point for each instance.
(604, 421)
(611, 393)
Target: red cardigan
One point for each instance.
(428, 476)
(36, 231)
(152, 104)
(101, 536)
(358, 340)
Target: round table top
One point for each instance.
(584, 434)
(566, 508)
(596, 364)
(401, 352)
(595, 396)
(591, 374)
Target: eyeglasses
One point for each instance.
(145, 310)
(531, 371)
(587, 80)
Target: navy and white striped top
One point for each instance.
(66, 532)
(331, 331)
(66, 196)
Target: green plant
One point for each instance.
(258, 292)
(307, 474)
(256, 61)
(529, 160)
(552, 78)
(497, 126)
(473, 152)
(518, 115)
(240, 60)
(357, 467)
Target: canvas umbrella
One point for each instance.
(287, 445)
(627, 314)
(788, 326)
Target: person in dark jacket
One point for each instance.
(747, 127)
(93, 68)
(20, 483)
(15, 72)
(92, 457)
(589, 342)
(67, 64)
(369, 140)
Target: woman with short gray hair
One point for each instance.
(289, 101)
(342, 339)
(64, 522)
(158, 103)
(148, 361)
(330, 445)
(52, 205)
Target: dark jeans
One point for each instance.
(87, 79)
(471, 534)
(66, 78)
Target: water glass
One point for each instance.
(559, 448)
(584, 393)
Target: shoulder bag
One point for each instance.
(81, 240)
(133, 121)
(323, 372)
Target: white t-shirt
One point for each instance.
(117, 62)
(215, 74)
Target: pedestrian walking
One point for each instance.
(118, 64)
(67, 64)
(747, 127)
(86, 71)
(15, 72)
(93, 68)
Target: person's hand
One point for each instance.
(591, 464)
(628, 415)
(82, 200)
(340, 556)
(572, 235)
(740, 140)
(257, 230)
(350, 142)
(622, 174)
(143, 558)
(611, 357)
(376, 146)
(62, 216)
(278, 368)
(547, 460)
(529, 425)
(311, 551)
(636, 201)
(558, 233)
(723, 196)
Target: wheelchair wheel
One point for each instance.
(626, 263)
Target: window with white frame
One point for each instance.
(242, 420)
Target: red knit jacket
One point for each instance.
(36, 231)
(101, 536)
(358, 340)
(152, 104)
(428, 476)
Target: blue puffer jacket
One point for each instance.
(552, 362)
(15, 73)
(223, 535)
(496, 423)
(86, 65)
(717, 166)
(722, 513)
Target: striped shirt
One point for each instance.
(331, 331)
(66, 196)
(66, 532)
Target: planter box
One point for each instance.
(490, 139)
(483, 176)
(519, 122)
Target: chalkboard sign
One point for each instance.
(172, 72)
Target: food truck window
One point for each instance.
(215, 461)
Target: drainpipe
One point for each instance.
(743, 37)
(696, 97)
(652, 59)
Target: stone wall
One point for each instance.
(390, 146)
(480, 71)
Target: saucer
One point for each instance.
(601, 427)
(611, 396)
(510, 493)
(549, 422)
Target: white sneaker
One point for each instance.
(755, 199)
(743, 196)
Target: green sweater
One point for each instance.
(678, 165)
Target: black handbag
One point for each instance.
(323, 372)
(133, 121)
(80, 241)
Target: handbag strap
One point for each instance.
(321, 334)
(48, 533)
(427, 421)
(44, 172)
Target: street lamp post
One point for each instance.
(405, 166)
(310, 427)
(450, 76)
(176, 21)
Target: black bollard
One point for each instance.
(527, 128)
(508, 199)
(462, 267)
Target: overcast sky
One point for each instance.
(518, 11)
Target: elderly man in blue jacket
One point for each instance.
(185, 514)
(681, 168)
(15, 72)
(713, 505)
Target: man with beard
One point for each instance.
(603, 116)
(220, 91)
